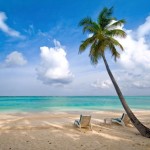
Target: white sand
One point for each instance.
(55, 131)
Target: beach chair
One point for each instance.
(124, 120)
(85, 121)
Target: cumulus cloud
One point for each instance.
(5, 28)
(136, 57)
(141, 84)
(54, 66)
(144, 29)
(137, 48)
(137, 52)
(102, 84)
(134, 79)
(14, 59)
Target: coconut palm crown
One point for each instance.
(103, 33)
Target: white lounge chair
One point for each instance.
(85, 121)
(124, 120)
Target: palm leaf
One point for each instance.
(93, 54)
(116, 23)
(86, 21)
(116, 32)
(103, 32)
(105, 17)
(96, 51)
(91, 28)
(115, 42)
(114, 52)
(86, 43)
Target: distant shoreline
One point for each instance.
(79, 111)
(73, 96)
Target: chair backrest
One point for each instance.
(125, 118)
(85, 121)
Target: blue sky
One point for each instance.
(39, 42)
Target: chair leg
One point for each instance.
(122, 123)
(90, 127)
(76, 123)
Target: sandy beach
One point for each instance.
(55, 131)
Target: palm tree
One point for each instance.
(103, 33)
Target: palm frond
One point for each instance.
(116, 24)
(105, 17)
(86, 43)
(93, 57)
(116, 32)
(92, 28)
(103, 31)
(115, 42)
(93, 54)
(105, 13)
(86, 21)
(96, 51)
(114, 51)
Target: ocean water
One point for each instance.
(70, 103)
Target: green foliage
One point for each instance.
(103, 34)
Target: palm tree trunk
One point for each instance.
(140, 127)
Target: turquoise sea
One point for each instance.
(70, 103)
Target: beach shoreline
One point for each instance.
(32, 131)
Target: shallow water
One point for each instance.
(40, 103)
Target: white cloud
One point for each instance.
(90, 35)
(54, 67)
(137, 52)
(137, 48)
(141, 84)
(5, 28)
(15, 59)
(102, 84)
(135, 79)
(144, 29)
